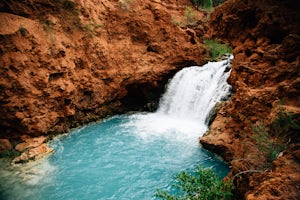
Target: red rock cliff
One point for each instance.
(64, 63)
(265, 77)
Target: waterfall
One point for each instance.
(194, 91)
(186, 105)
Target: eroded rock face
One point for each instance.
(65, 63)
(31, 148)
(265, 36)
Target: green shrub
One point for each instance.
(200, 185)
(23, 31)
(190, 16)
(271, 141)
(68, 5)
(125, 4)
(208, 4)
(12, 153)
(218, 2)
(177, 23)
(47, 24)
(91, 28)
(205, 4)
(267, 146)
(285, 123)
(217, 49)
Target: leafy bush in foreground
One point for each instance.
(200, 185)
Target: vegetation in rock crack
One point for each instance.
(91, 28)
(47, 24)
(177, 23)
(206, 4)
(189, 16)
(271, 141)
(285, 124)
(68, 5)
(201, 185)
(267, 146)
(23, 31)
(125, 4)
(10, 154)
(217, 2)
(216, 49)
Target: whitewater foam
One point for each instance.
(184, 108)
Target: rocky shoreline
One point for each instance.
(27, 149)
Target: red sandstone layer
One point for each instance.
(65, 63)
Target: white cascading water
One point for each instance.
(184, 108)
(194, 91)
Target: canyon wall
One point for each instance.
(265, 106)
(65, 63)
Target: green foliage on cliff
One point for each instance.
(10, 154)
(189, 16)
(273, 140)
(285, 123)
(267, 146)
(125, 4)
(206, 4)
(200, 185)
(218, 2)
(189, 19)
(216, 49)
(67, 4)
(23, 31)
(47, 24)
